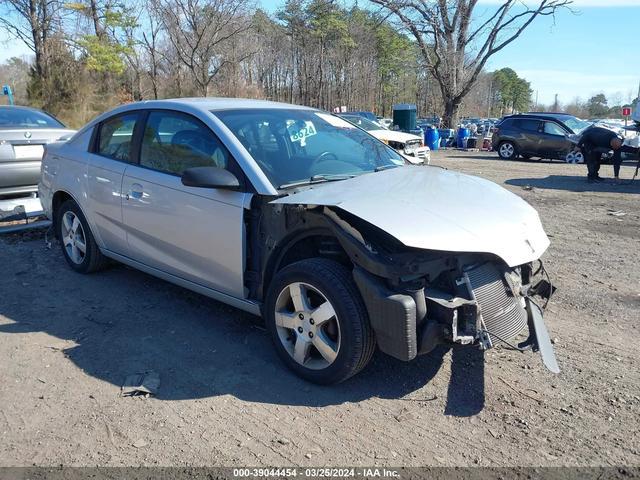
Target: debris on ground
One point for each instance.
(146, 383)
(616, 213)
(140, 443)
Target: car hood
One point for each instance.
(393, 135)
(437, 209)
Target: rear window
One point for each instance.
(115, 135)
(15, 117)
(528, 125)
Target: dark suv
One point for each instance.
(542, 135)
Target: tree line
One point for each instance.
(90, 55)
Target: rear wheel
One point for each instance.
(507, 151)
(78, 245)
(318, 321)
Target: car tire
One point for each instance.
(335, 345)
(507, 151)
(75, 235)
(574, 157)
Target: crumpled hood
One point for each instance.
(436, 209)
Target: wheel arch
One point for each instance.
(58, 198)
(319, 242)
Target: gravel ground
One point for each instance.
(68, 341)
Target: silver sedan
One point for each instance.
(297, 215)
(24, 132)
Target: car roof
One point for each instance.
(22, 107)
(545, 115)
(221, 103)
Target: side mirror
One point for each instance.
(210, 177)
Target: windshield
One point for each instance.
(15, 117)
(363, 123)
(576, 124)
(294, 145)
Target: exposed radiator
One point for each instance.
(503, 313)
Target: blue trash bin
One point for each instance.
(432, 138)
(463, 136)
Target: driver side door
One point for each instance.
(196, 234)
(554, 142)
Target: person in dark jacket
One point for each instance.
(595, 142)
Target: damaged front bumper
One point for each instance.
(479, 304)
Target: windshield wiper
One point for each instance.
(386, 167)
(320, 178)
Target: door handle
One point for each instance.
(135, 191)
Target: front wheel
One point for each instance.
(507, 151)
(574, 157)
(318, 321)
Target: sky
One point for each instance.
(579, 53)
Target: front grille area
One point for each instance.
(503, 314)
(421, 153)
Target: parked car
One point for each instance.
(24, 132)
(412, 146)
(368, 115)
(386, 122)
(431, 121)
(542, 135)
(299, 216)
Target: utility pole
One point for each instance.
(490, 96)
(555, 104)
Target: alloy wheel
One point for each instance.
(73, 237)
(574, 157)
(507, 150)
(307, 326)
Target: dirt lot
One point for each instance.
(68, 341)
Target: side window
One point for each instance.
(174, 142)
(553, 129)
(114, 137)
(529, 125)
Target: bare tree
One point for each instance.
(455, 47)
(150, 42)
(198, 31)
(34, 22)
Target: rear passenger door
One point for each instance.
(110, 153)
(530, 140)
(193, 233)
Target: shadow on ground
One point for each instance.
(572, 183)
(123, 321)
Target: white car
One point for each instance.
(411, 146)
(386, 122)
(297, 215)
